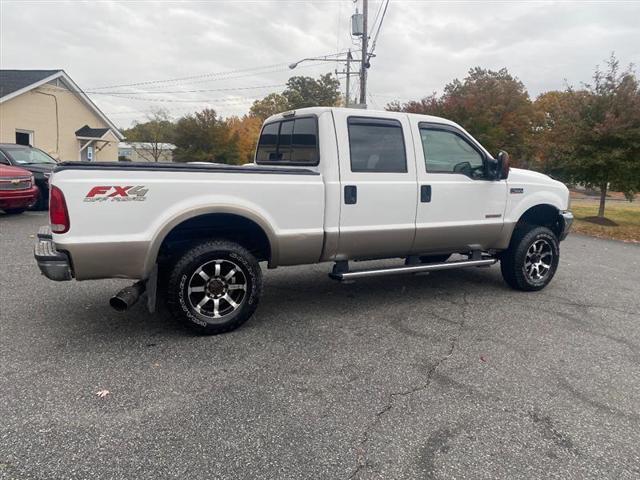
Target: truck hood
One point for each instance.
(7, 171)
(520, 175)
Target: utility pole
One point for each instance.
(348, 77)
(348, 73)
(365, 56)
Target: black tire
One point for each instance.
(14, 211)
(434, 258)
(216, 259)
(522, 266)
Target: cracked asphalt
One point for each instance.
(447, 375)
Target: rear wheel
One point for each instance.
(215, 286)
(532, 258)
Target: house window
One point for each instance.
(24, 137)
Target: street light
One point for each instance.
(317, 59)
(348, 60)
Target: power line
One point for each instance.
(231, 77)
(181, 100)
(192, 77)
(375, 20)
(211, 76)
(258, 87)
(375, 39)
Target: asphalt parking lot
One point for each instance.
(447, 375)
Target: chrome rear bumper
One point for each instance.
(53, 264)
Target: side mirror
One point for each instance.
(504, 164)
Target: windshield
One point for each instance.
(27, 155)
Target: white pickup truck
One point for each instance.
(327, 184)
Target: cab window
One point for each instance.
(448, 152)
(376, 145)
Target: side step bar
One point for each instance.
(427, 267)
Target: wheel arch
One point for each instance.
(206, 222)
(544, 215)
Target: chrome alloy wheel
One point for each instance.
(217, 288)
(538, 260)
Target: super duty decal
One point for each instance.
(116, 193)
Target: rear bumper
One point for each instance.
(53, 264)
(567, 221)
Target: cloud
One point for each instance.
(423, 45)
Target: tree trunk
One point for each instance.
(603, 198)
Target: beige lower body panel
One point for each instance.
(107, 260)
(127, 259)
(369, 244)
(299, 249)
(502, 243)
(458, 238)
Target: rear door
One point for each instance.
(459, 205)
(378, 180)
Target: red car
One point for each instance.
(17, 189)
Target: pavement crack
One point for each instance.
(362, 462)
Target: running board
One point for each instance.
(427, 267)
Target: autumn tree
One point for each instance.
(556, 124)
(204, 137)
(604, 142)
(247, 130)
(269, 105)
(300, 92)
(493, 106)
(148, 138)
(308, 92)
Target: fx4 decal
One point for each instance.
(116, 193)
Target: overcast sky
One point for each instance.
(422, 46)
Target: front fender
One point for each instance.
(538, 198)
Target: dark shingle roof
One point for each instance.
(87, 131)
(13, 80)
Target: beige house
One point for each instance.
(46, 109)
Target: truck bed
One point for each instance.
(120, 212)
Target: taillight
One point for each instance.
(58, 214)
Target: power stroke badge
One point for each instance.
(117, 193)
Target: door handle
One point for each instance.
(425, 193)
(350, 194)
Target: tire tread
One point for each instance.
(176, 271)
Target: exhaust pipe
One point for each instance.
(127, 297)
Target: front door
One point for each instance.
(378, 185)
(459, 207)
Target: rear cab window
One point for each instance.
(289, 142)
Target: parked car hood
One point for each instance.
(39, 167)
(9, 171)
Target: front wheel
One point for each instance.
(531, 260)
(214, 287)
